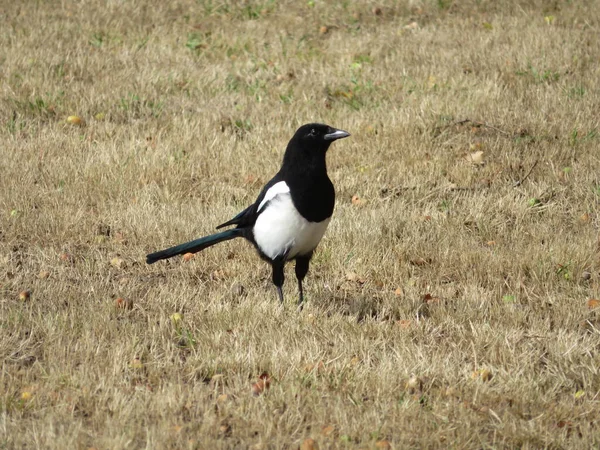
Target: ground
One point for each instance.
(452, 302)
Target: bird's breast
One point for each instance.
(281, 230)
(313, 197)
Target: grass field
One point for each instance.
(452, 303)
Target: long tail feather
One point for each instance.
(193, 246)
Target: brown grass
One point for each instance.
(448, 307)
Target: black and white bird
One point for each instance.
(291, 213)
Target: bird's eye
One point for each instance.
(313, 132)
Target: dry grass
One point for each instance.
(446, 272)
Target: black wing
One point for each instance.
(248, 216)
(237, 219)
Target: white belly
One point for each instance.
(280, 229)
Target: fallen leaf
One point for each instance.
(354, 277)
(263, 383)
(323, 30)
(219, 275)
(593, 303)
(327, 430)
(74, 120)
(564, 423)
(399, 292)
(136, 363)
(383, 444)
(117, 262)
(43, 275)
(24, 295)
(412, 26)
(475, 158)
(413, 384)
(65, 257)
(357, 201)
(486, 375)
(585, 218)
(405, 324)
(482, 374)
(122, 303)
(430, 299)
(309, 444)
(420, 261)
(259, 387)
(188, 256)
(579, 394)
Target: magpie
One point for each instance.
(291, 213)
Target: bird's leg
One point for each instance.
(302, 263)
(278, 278)
(301, 296)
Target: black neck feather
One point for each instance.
(304, 170)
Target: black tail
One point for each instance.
(193, 246)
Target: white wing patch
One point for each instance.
(272, 192)
(281, 230)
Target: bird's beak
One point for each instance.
(337, 134)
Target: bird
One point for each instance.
(291, 213)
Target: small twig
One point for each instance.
(479, 124)
(483, 124)
(520, 182)
(461, 122)
(506, 133)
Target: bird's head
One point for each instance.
(318, 136)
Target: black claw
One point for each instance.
(300, 296)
